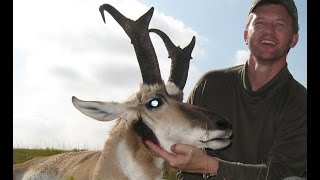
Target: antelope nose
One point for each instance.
(224, 124)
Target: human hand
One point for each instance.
(186, 158)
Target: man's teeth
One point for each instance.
(267, 42)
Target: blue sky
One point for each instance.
(62, 49)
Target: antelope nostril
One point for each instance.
(224, 124)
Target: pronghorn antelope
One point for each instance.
(156, 112)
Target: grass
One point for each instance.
(22, 155)
(170, 175)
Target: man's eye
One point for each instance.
(259, 23)
(281, 25)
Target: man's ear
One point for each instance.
(294, 41)
(245, 36)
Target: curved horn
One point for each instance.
(180, 59)
(140, 39)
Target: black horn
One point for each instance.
(139, 34)
(180, 59)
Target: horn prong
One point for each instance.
(101, 9)
(140, 39)
(180, 59)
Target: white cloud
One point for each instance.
(65, 49)
(241, 56)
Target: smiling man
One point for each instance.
(265, 104)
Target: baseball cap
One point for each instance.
(288, 4)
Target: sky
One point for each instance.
(62, 49)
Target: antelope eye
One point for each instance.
(154, 103)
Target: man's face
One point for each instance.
(270, 32)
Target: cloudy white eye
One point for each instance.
(154, 103)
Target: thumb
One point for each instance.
(181, 148)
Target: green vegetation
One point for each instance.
(69, 178)
(170, 175)
(22, 155)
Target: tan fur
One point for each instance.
(106, 166)
(96, 164)
(142, 155)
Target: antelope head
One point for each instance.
(156, 112)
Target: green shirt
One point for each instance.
(269, 125)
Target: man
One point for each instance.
(265, 104)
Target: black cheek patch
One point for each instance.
(197, 114)
(145, 132)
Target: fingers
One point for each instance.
(186, 157)
(157, 149)
(182, 154)
(182, 148)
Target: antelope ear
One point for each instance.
(102, 111)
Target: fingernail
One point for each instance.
(173, 147)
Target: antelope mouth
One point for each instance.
(217, 139)
(144, 131)
(222, 139)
